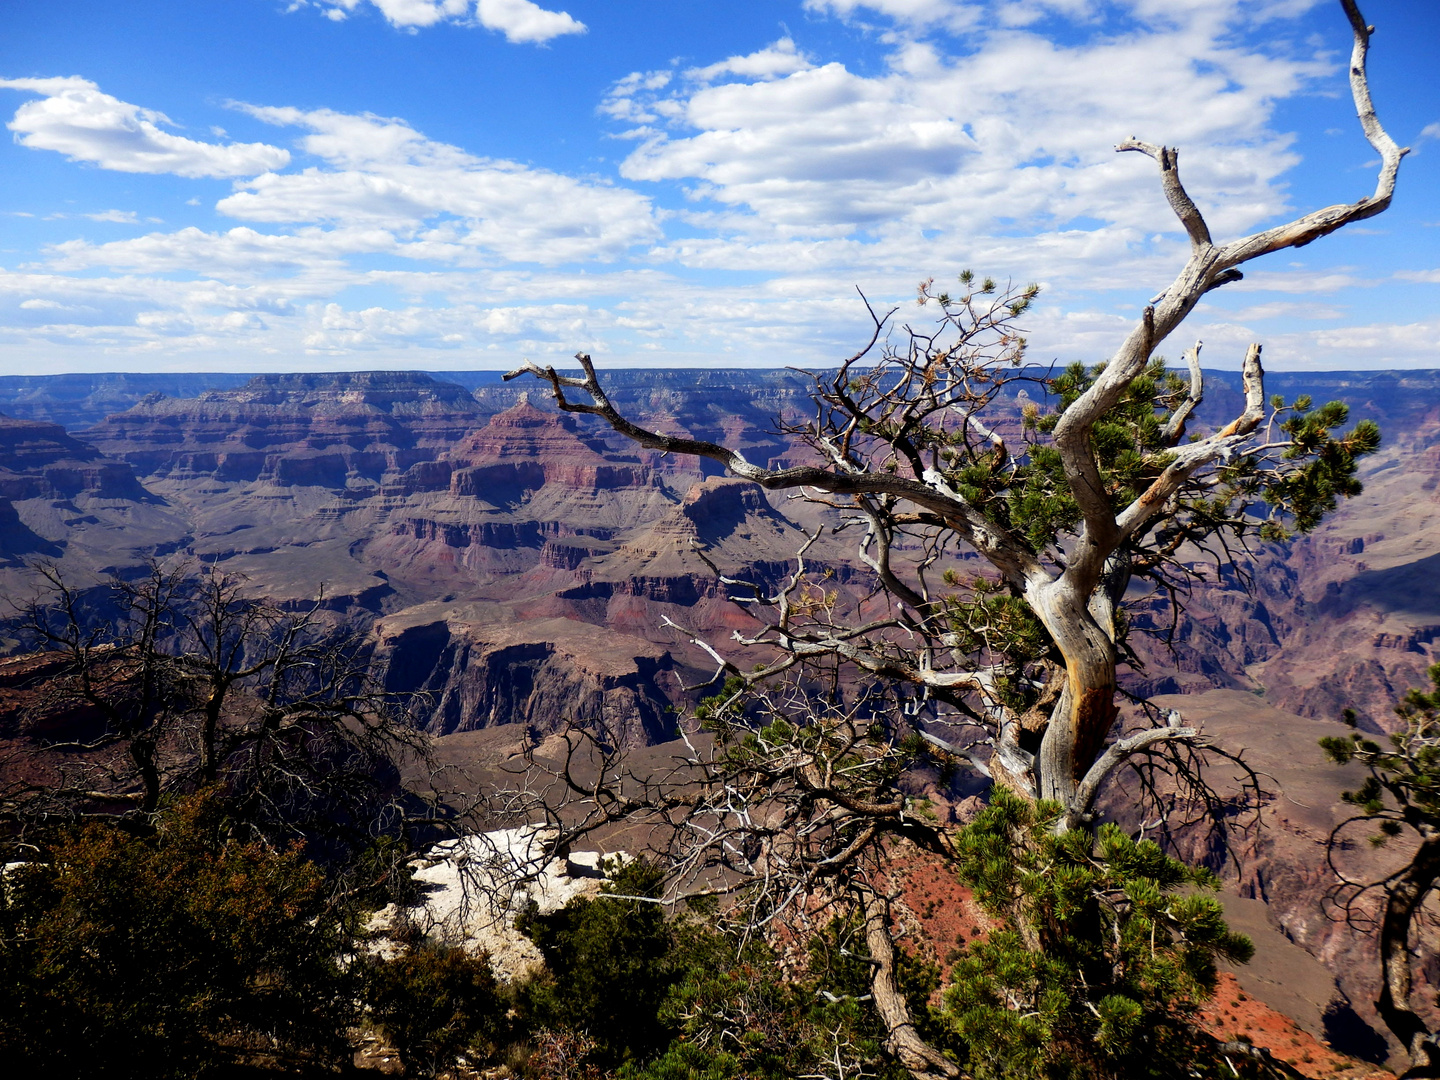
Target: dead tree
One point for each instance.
(183, 679)
(904, 442)
(1003, 542)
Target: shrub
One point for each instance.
(1105, 950)
(167, 954)
(609, 967)
(435, 1002)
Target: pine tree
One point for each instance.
(1401, 798)
(1005, 661)
(1102, 954)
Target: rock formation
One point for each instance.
(61, 499)
(478, 672)
(343, 432)
(473, 888)
(519, 566)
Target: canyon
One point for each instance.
(521, 568)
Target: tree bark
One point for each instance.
(1403, 895)
(1086, 710)
(922, 1059)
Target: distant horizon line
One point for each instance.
(498, 373)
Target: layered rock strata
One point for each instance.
(474, 673)
(336, 431)
(61, 499)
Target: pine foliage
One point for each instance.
(169, 954)
(1408, 771)
(1105, 949)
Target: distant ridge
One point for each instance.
(78, 401)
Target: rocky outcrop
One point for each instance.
(19, 542)
(401, 488)
(543, 673)
(1347, 617)
(524, 449)
(62, 500)
(42, 461)
(726, 521)
(474, 888)
(525, 491)
(1280, 858)
(79, 399)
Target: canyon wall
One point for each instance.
(523, 567)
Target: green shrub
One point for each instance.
(1104, 952)
(738, 1014)
(609, 967)
(168, 954)
(435, 1002)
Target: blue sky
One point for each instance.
(251, 185)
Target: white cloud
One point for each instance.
(241, 250)
(1301, 279)
(1372, 347)
(439, 200)
(384, 189)
(332, 327)
(951, 14)
(521, 21)
(795, 176)
(782, 58)
(958, 16)
(74, 118)
(1282, 309)
(1014, 136)
(819, 147)
(421, 12)
(118, 217)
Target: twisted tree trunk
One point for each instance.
(922, 1059)
(1404, 894)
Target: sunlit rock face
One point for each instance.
(554, 548)
(474, 887)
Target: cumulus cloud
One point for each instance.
(798, 175)
(438, 199)
(521, 21)
(1014, 135)
(821, 146)
(952, 14)
(73, 117)
(1364, 347)
(966, 16)
(384, 189)
(240, 250)
(781, 58)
